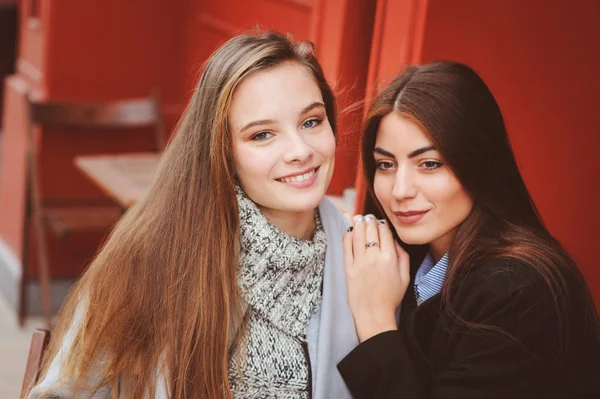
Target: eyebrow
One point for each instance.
(263, 122)
(379, 150)
(421, 151)
(316, 104)
(257, 123)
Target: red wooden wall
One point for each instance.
(109, 49)
(83, 51)
(540, 59)
(541, 62)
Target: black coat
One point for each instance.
(434, 356)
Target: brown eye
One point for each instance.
(431, 165)
(384, 165)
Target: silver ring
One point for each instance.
(371, 244)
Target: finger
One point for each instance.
(358, 238)
(371, 234)
(403, 262)
(348, 255)
(386, 238)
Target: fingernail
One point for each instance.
(349, 229)
(381, 221)
(359, 219)
(368, 218)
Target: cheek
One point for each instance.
(324, 144)
(383, 187)
(252, 162)
(463, 203)
(447, 193)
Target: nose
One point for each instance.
(298, 150)
(405, 184)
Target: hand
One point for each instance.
(377, 274)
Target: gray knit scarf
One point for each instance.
(280, 280)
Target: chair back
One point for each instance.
(129, 113)
(39, 343)
(73, 214)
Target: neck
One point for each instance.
(295, 224)
(439, 247)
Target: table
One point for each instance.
(123, 177)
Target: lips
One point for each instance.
(410, 217)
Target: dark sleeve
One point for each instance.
(512, 358)
(380, 368)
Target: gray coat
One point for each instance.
(331, 334)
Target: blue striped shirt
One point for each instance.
(430, 278)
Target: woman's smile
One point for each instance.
(301, 179)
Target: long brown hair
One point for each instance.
(162, 292)
(456, 109)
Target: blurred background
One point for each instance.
(540, 58)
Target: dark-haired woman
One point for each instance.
(495, 307)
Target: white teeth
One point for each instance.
(299, 178)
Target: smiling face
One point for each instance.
(420, 195)
(283, 143)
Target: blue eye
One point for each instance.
(261, 136)
(431, 165)
(384, 165)
(309, 124)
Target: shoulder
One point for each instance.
(519, 290)
(543, 311)
(504, 284)
(503, 275)
(332, 218)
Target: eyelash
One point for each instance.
(387, 165)
(317, 122)
(255, 137)
(435, 165)
(380, 165)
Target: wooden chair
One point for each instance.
(66, 215)
(39, 343)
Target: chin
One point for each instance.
(414, 239)
(303, 206)
(414, 242)
(313, 195)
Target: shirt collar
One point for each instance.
(430, 277)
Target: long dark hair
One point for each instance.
(456, 109)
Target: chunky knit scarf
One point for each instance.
(280, 280)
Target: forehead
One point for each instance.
(278, 91)
(397, 133)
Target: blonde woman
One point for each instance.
(226, 279)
